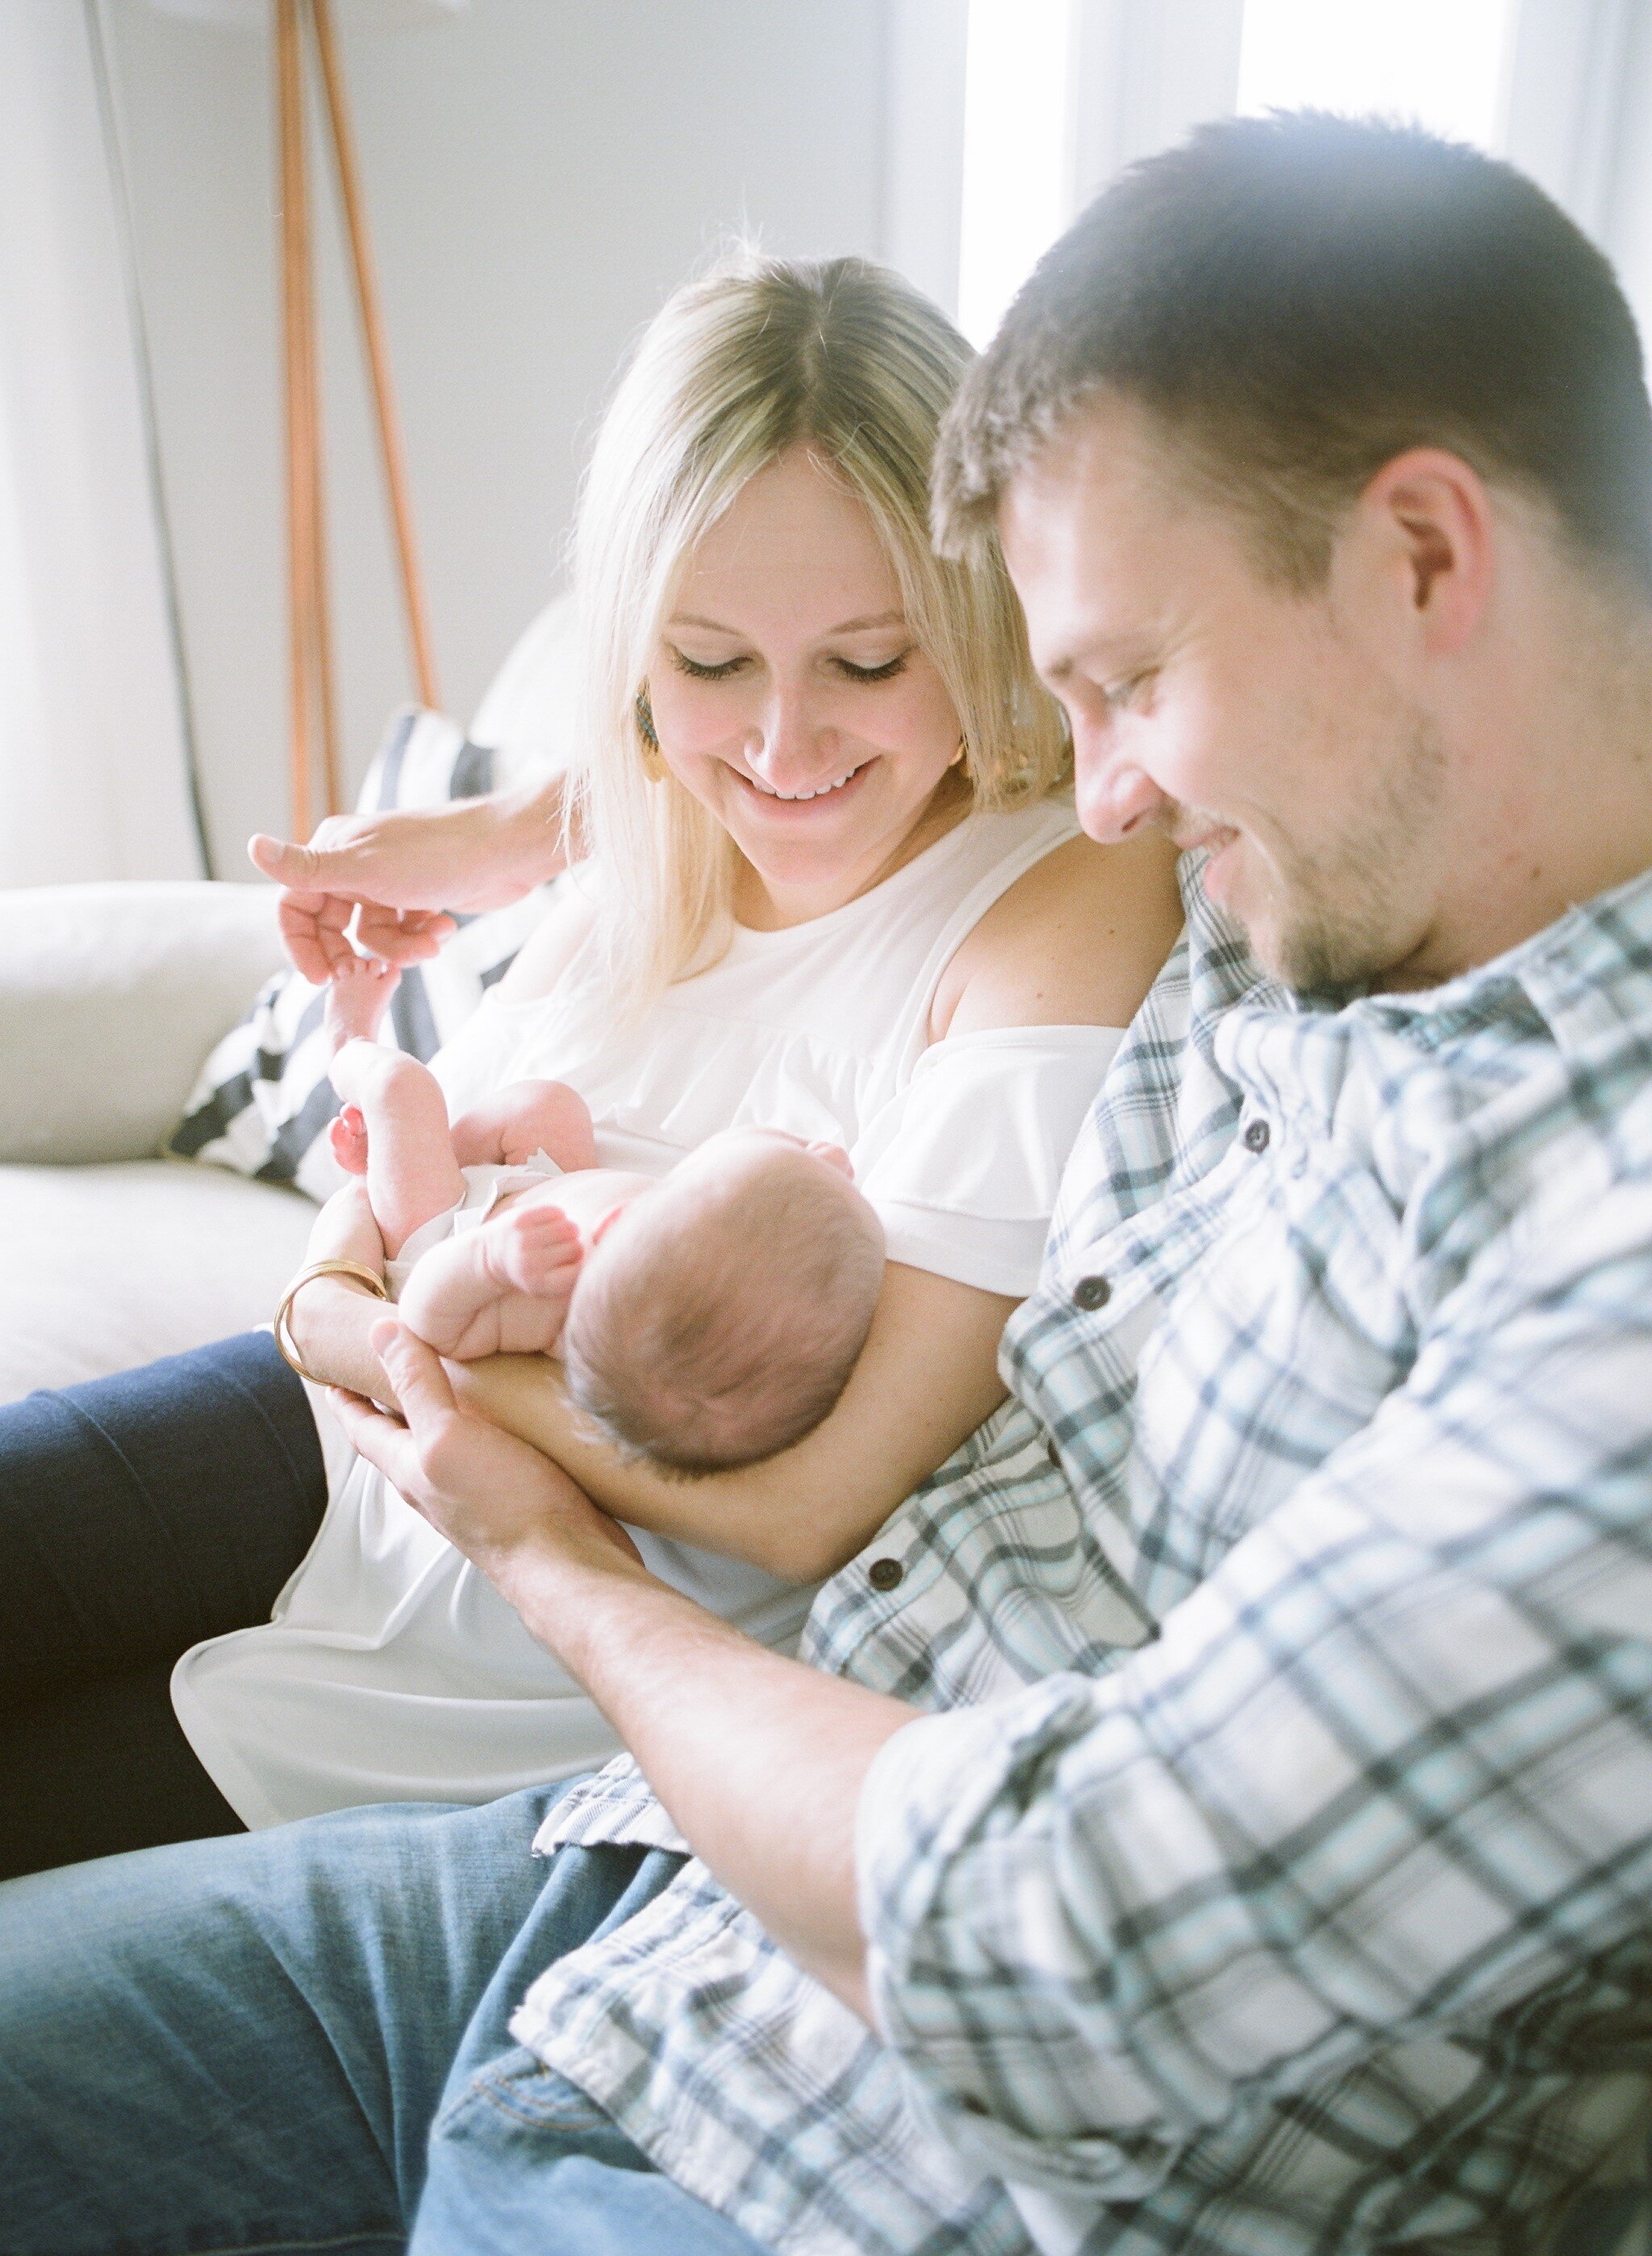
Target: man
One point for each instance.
(1322, 459)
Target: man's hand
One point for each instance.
(494, 1497)
(759, 1759)
(397, 874)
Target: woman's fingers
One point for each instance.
(403, 935)
(346, 873)
(313, 932)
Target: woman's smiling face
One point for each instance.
(790, 696)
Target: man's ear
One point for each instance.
(1433, 515)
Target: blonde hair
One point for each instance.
(758, 356)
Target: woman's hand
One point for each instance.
(494, 1497)
(400, 873)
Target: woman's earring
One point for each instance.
(961, 755)
(653, 765)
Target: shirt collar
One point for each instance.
(1586, 974)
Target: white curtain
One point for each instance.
(1131, 76)
(92, 773)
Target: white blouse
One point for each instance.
(391, 1668)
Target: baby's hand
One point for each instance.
(502, 1290)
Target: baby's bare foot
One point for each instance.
(348, 1135)
(357, 997)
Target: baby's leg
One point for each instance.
(508, 1128)
(357, 996)
(411, 1173)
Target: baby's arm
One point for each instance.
(500, 1289)
(508, 1128)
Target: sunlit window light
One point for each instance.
(1441, 66)
(1017, 161)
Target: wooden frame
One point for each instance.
(316, 784)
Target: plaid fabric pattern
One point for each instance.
(1318, 1921)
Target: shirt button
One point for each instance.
(1257, 1136)
(1092, 1292)
(885, 1574)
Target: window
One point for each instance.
(1017, 192)
(1445, 68)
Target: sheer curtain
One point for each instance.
(94, 777)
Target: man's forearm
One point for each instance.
(758, 1759)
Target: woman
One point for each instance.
(833, 886)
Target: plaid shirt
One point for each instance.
(1317, 1918)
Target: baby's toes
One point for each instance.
(348, 1135)
(358, 997)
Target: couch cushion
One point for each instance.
(101, 1268)
(110, 996)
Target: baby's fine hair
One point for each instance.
(711, 1334)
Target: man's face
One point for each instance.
(1275, 728)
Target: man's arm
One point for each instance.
(925, 1380)
(759, 1761)
(1386, 1775)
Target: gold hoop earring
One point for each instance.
(653, 765)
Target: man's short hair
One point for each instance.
(1298, 299)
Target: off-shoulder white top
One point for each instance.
(823, 1029)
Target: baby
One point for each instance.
(704, 1319)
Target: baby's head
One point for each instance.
(718, 1318)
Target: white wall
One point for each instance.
(538, 173)
(1625, 211)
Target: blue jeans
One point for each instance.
(297, 2040)
(138, 1514)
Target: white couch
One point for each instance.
(110, 998)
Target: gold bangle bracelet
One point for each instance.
(356, 1272)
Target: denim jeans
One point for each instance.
(137, 1515)
(297, 2040)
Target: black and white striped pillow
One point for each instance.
(262, 1101)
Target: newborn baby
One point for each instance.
(704, 1319)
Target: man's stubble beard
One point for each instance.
(1336, 927)
(1326, 925)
